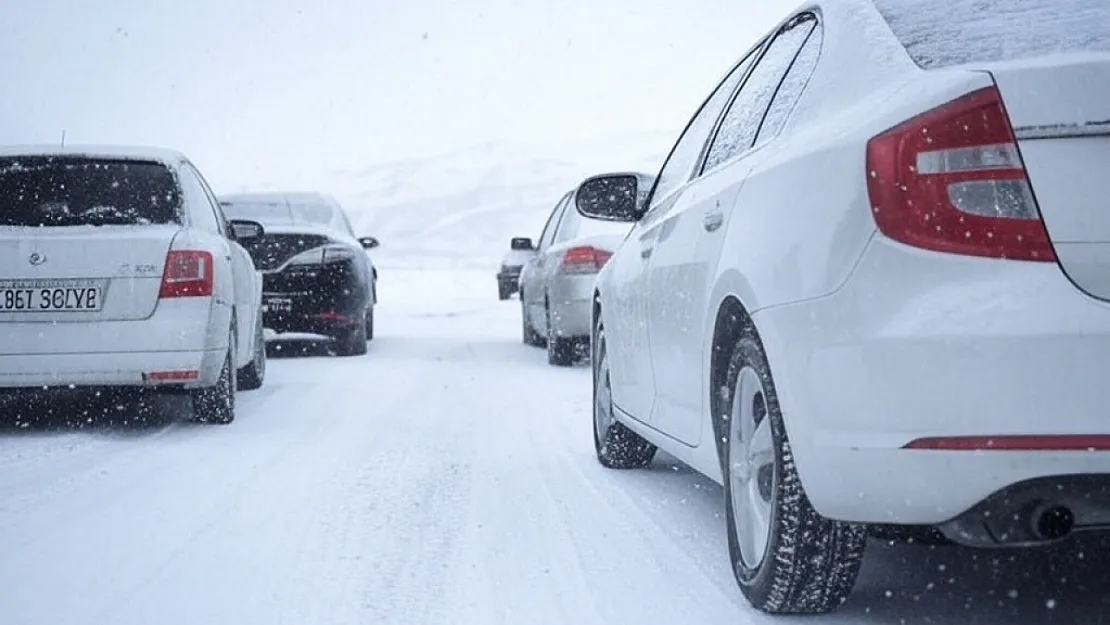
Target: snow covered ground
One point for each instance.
(447, 477)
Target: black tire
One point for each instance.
(352, 342)
(810, 563)
(504, 291)
(528, 334)
(617, 446)
(253, 375)
(561, 351)
(370, 324)
(216, 404)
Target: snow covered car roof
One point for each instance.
(138, 153)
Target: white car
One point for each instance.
(870, 288)
(118, 268)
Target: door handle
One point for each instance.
(645, 252)
(713, 220)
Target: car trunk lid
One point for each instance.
(84, 238)
(1060, 113)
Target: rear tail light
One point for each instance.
(188, 273)
(584, 259)
(952, 180)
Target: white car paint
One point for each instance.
(137, 332)
(875, 344)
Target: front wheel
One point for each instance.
(617, 446)
(786, 557)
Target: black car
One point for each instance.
(316, 275)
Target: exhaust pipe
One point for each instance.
(1052, 522)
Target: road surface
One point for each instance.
(446, 478)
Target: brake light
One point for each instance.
(952, 180)
(188, 273)
(584, 259)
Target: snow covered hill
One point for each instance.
(461, 208)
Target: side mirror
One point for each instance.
(523, 244)
(244, 230)
(368, 243)
(609, 197)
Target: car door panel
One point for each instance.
(625, 318)
(675, 318)
(678, 333)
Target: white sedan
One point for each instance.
(118, 268)
(870, 288)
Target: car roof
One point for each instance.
(138, 153)
(280, 197)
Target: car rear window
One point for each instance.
(942, 33)
(577, 226)
(272, 250)
(38, 191)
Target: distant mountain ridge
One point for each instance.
(461, 208)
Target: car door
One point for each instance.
(666, 237)
(679, 332)
(246, 279)
(534, 270)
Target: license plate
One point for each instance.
(278, 304)
(50, 296)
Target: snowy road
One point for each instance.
(445, 478)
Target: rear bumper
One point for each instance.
(570, 298)
(327, 304)
(188, 334)
(940, 347)
(509, 281)
(110, 369)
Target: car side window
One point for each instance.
(797, 77)
(687, 151)
(201, 213)
(217, 210)
(741, 121)
(552, 225)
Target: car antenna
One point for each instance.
(63, 137)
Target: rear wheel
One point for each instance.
(786, 557)
(216, 404)
(561, 351)
(253, 375)
(352, 342)
(617, 446)
(504, 290)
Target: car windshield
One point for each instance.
(321, 214)
(85, 191)
(941, 33)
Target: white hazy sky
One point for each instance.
(282, 91)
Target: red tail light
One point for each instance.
(584, 259)
(188, 273)
(952, 180)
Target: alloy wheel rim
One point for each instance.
(752, 472)
(603, 399)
